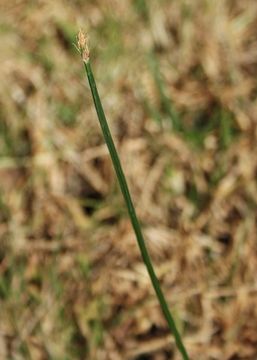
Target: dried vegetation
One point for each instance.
(178, 82)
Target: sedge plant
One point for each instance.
(82, 46)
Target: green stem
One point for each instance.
(131, 210)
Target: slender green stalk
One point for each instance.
(82, 46)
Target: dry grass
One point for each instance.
(72, 284)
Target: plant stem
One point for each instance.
(131, 210)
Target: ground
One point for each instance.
(178, 84)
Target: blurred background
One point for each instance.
(178, 81)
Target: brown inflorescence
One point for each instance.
(82, 42)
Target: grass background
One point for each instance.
(178, 84)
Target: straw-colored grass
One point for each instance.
(72, 284)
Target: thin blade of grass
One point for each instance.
(131, 209)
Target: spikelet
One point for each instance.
(82, 43)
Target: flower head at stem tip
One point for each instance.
(82, 42)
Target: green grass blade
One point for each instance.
(165, 101)
(131, 210)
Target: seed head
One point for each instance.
(82, 42)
